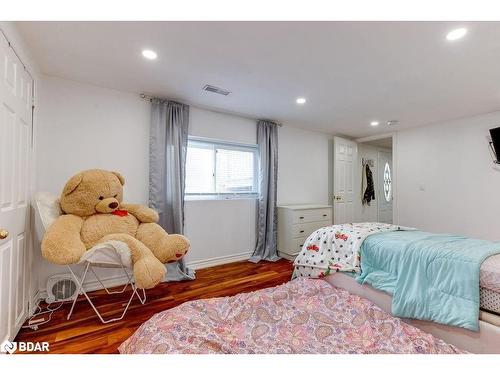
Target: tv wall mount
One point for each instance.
(493, 153)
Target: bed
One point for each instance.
(432, 278)
(383, 257)
(484, 341)
(490, 285)
(301, 316)
(324, 309)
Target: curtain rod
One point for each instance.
(146, 97)
(149, 98)
(15, 53)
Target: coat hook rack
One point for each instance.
(369, 162)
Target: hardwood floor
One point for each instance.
(84, 332)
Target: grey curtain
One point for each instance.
(167, 170)
(267, 215)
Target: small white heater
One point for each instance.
(60, 288)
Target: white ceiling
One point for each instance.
(350, 72)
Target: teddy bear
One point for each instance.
(94, 212)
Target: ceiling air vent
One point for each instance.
(216, 90)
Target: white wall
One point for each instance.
(220, 230)
(445, 177)
(226, 229)
(305, 166)
(80, 127)
(83, 126)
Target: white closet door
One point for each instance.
(15, 155)
(345, 157)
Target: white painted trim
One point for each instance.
(395, 178)
(113, 281)
(211, 262)
(33, 303)
(374, 137)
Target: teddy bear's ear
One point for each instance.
(120, 177)
(72, 184)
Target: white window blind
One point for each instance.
(216, 169)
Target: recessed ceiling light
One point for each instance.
(148, 54)
(374, 123)
(301, 100)
(456, 34)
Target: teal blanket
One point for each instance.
(430, 276)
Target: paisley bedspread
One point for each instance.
(301, 316)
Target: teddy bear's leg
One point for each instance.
(167, 248)
(148, 270)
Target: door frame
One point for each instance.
(395, 174)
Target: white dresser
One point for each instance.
(296, 223)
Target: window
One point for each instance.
(387, 183)
(220, 170)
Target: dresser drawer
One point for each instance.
(291, 246)
(296, 244)
(305, 229)
(307, 216)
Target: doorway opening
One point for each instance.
(375, 165)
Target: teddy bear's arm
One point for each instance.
(62, 243)
(142, 213)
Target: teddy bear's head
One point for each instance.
(92, 191)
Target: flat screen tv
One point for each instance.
(495, 139)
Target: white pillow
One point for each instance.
(48, 208)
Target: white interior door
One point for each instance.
(384, 187)
(15, 151)
(345, 155)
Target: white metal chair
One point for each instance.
(109, 255)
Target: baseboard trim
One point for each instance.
(217, 261)
(33, 302)
(113, 281)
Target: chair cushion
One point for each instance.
(48, 208)
(108, 254)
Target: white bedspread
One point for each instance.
(336, 248)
